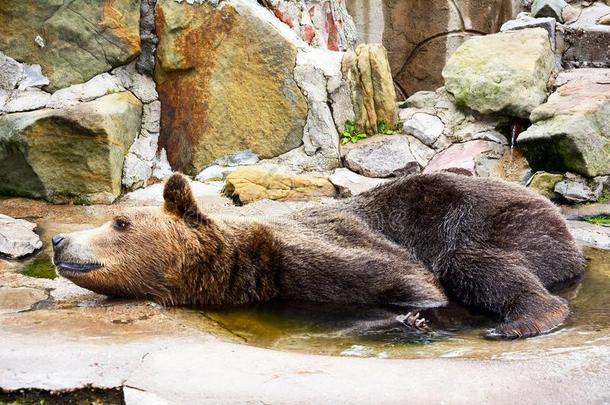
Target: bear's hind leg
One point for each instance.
(498, 283)
(532, 316)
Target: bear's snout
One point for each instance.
(56, 240)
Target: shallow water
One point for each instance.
(374, 332)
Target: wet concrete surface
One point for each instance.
(56, 336)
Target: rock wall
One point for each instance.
(420, 36)
(208, 79)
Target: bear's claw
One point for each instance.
(414, 321)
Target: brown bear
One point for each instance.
(416, 241)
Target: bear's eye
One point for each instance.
(120, 224)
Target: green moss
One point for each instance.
(599, 220)
(40, 267)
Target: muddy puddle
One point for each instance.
(363, 331)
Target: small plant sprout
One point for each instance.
(351, 133)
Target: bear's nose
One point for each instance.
(57, 240)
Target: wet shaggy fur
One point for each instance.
(415, 241)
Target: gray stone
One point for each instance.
(161, 166)
(142, 86)
(549, 8)
(523, 22)
(422, 153)
(577, 189)
(32, 77)
(11, 72)
(98, 86)
(31, 99)
(312, 82)
(297, 161)
(425, 127)
(381, 156)
(241, 158)
(349, 183)
(320, 134)
(151, 117)
(136, 171)
(214, 172)
(148, 40)
(421, 99)
(17, 237)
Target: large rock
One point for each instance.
(71, 154)
(17, 237)
(380, 156)
(571, 131)
(373, 95)
(225, 81)
(486, 74)
(72, 41)
(249, 184)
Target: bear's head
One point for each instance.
(144, 253)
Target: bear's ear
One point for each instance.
(179, 200)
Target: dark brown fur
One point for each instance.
(489, 244)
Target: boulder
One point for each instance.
(484, 74)
(349, 183)
(70, 154)
(380, 156)
(17, 237)
(225, 81)
(373, 95)
(548, 8)
(74, 41)
(544, 183)
(248, 184)
(571, 131)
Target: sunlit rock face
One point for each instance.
(71, 154)
(225, 81)
(420, 36)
